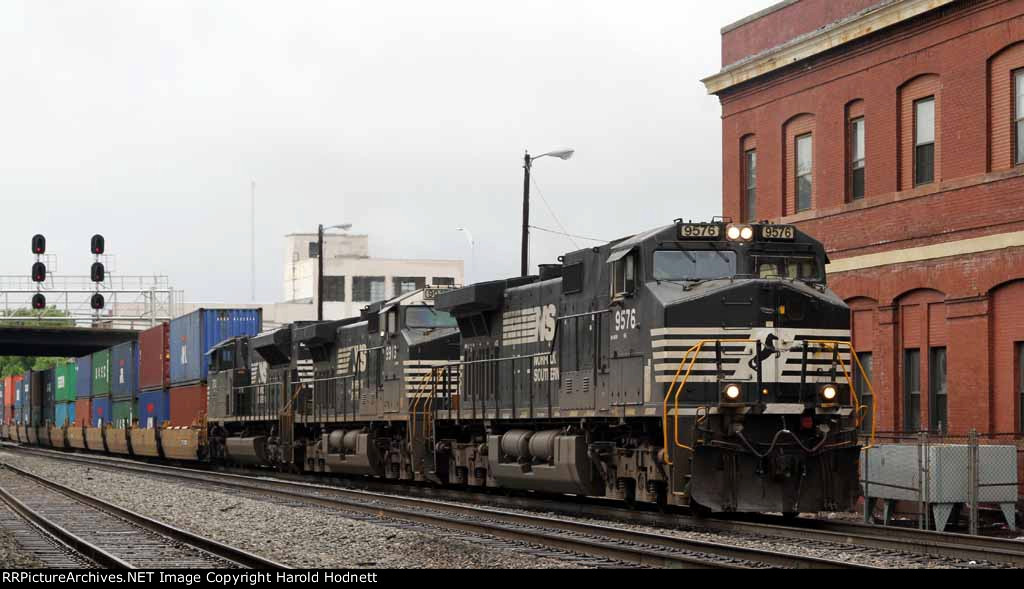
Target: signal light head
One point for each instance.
(97, 301)
(38, 302)
(39, 272)
(38, 244)
(97, 273)
(98, 244)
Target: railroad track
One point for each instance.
(108, 536)
(47, 550)
(604, 545)
(927, 547)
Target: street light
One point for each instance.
(472, 250)
(320, 266)
(527, 164)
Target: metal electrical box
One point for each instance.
(894, 472)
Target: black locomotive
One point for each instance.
(698, 363)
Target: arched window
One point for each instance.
(864, 318)
(920, 145)
(1006, 107)
(922, 336)
(1007, 361)
(748, 178)
(798, 135)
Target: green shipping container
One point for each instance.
(123, 412)
(101, 373)
(67, 379)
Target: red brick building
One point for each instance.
(893, 131)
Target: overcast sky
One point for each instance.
(146, 121)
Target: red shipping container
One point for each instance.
(154, 359)
(188, 405)
(10, 382)
(83, 412)
(7, 411)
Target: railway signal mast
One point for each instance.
(38, 271)
(97, 273)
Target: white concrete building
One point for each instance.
(352, 279)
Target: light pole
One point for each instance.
(527, 165)
(320, 266)
(472, 250)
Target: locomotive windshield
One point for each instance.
(693, 265)
(793, 267)
(426, 317)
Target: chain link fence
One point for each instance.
(942, 479)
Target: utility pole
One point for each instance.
(527, 165)
(525, 266)
(320, 273)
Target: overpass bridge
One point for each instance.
(59, 341)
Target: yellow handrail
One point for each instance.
(695, 350)
(693, 353)
(425, 380)
(867, 381)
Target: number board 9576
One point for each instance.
(779, 232)
(699, 231)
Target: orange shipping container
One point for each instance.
(83, 412)
(188, 405)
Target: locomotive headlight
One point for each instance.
(732, 392)
(829, 393)
(739, 232)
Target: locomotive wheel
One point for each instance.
(699, 510)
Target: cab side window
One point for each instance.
(624, 273)
(392, 326)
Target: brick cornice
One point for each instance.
(819, 41)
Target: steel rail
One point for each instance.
(90, 551)
(912, 541)
(231, 554)
(634, 547)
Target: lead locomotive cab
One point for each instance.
(695, 363)
(750, 354)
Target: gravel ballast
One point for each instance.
(298, 536)
(12, 555)
(273, 530)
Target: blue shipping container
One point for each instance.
(65, 414)
(153, 408)
(48, 409)
(194, 334)
(84, 382)
(49, 387)
(32, 395)
(19, 393)
(124, 366)
(102, 413)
